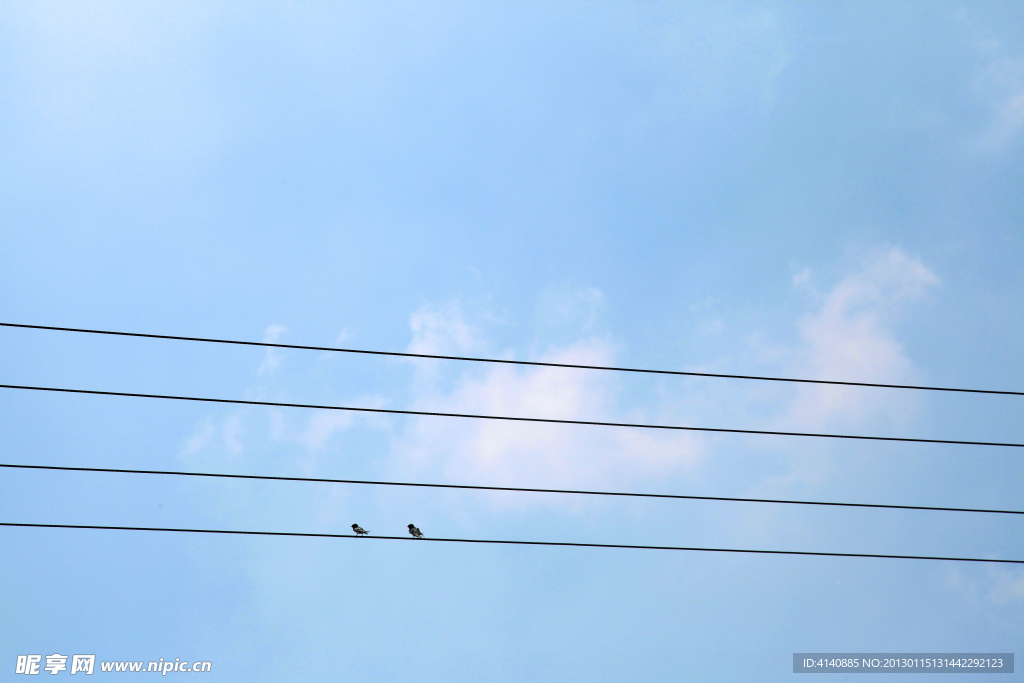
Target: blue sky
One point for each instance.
(806, 189)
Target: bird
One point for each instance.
(360, 531)
(416, 533)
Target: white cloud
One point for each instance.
(769, 91)
(996, 585)
(230, 431)
(802, 277)
(274, 332)
(271, 357)
(322, 426)
(442, 330)
(849, 334)
(1008, 121)
(1002, 85)
(232, 434)
(530, 454)
(200, 439)
(850, 337)
(580, 310)
(1007, 586)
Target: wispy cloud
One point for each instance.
(200, 438)
(232, 433)
(323, 425)
(527, 454)
(271, 357)
(850, 337)
(995, 585)
(581, 310)
(849, 334)
(1007, 122)
(1001, 83)
(224, 436)
(443, 330)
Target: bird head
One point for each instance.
(412, 526)
(354, 526)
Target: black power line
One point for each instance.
(392, 411)
(503, 488)
(510, 362)
(477, 540)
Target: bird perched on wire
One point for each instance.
(416, 533)
(360, 531)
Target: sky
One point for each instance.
(816, 190)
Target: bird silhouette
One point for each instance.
(360, 531)
(416, 533)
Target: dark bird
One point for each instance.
(360, 531)
(416, 533)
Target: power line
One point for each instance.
(546, 420)
(502, 488)
(477, 540)
(510, 362)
